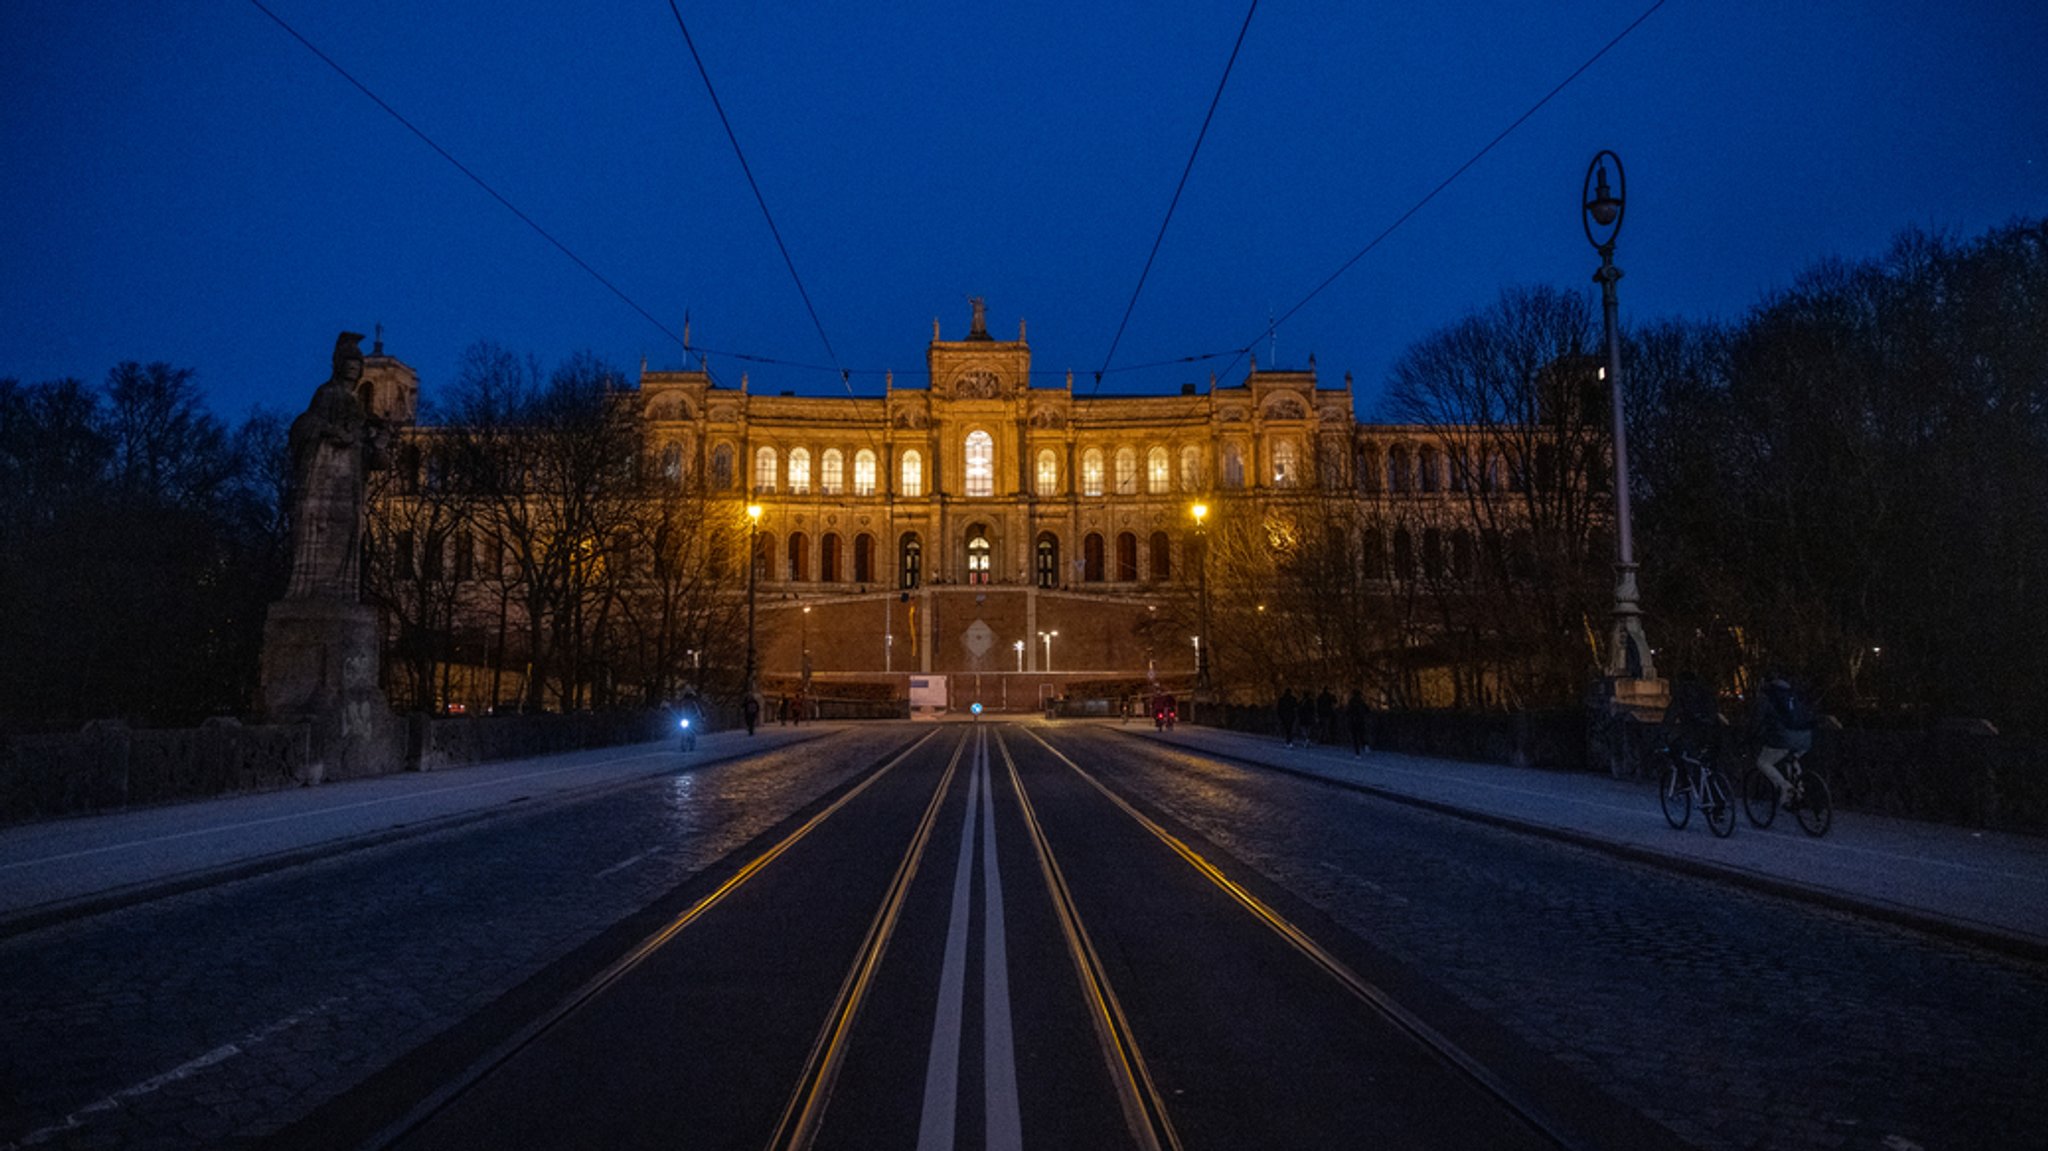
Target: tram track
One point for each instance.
(1538, 1119)
(436, 1102)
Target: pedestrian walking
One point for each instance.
(1358, 716)
(751, 708)
(1326, 710)
(1290, 710)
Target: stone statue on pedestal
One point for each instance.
(334, 443)
(320, 641)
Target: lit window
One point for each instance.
(864, 473)
(1286, 468)
(1126, 472)
(1233, 467)
(672, 462)
(981, 464)
(978, 554)
(1048, 473)
(1091, 472)
(764, 470)
(913, 474)
(1158, 472)
(1191, 469)
(799, 471)
(832, 472)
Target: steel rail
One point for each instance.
(806, 1107)
(1534, 1116)
(1143, 1107)
(498, 1056)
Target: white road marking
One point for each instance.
(1005, 1126)
(185, 1070)
(942, 1067)
(623, 864)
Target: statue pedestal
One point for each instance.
(320, 668)
(1623, 712)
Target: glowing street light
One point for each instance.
(1019, 645)
(1200, 512)
(1602, 209)
(1047, 637)
(753, 575)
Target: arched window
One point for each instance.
(1126, 558)
(721, 467)
(799, 471)
(1430, 465)
(910, 560)
(1432, 554)
(1286, 464)
(1375, 554)
(981, 464)
(1461, 469)
(1158, 472)
(832, 472)
(863, 558)
(1191, 469)
(764, 556)
(672, 462)
(978, 554)
(1091, 558)
(1404, 554)
(1126, 472)
(864, 473)
(799, 556)
(1233, 466)
(913, 474)
(1461, 555)
(1161, 568)
(1369, 468)
(828, 558)
(1048, 472)
(764, 470)
(1048, 560)
(1400, 471)
(1091, 472)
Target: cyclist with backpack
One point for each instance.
(1784, 727)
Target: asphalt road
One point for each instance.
(1003, 935)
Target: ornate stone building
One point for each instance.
(1017, 538)
(983, 525)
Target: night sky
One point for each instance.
(184, 181)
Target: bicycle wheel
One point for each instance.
(1674, 795)
(1816, 807)
(1716, 804)
(1759, 798)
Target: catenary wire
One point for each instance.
(479, 181)
(1238, 352)
(1177, 190)
(747, 169)
(1447, 181)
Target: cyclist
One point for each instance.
(1784, 727)
(1692, 722)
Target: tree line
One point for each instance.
(1844, 485)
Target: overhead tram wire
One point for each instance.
(479, 181)
(1447, 181)
(1177, 190)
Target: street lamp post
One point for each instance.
(1047, 637)
(1602, 206)
(1019, 645)
(753, 684)
(1201, 514)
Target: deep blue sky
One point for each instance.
(183, 181)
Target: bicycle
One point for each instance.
(1686, 779)
(1811, 801)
